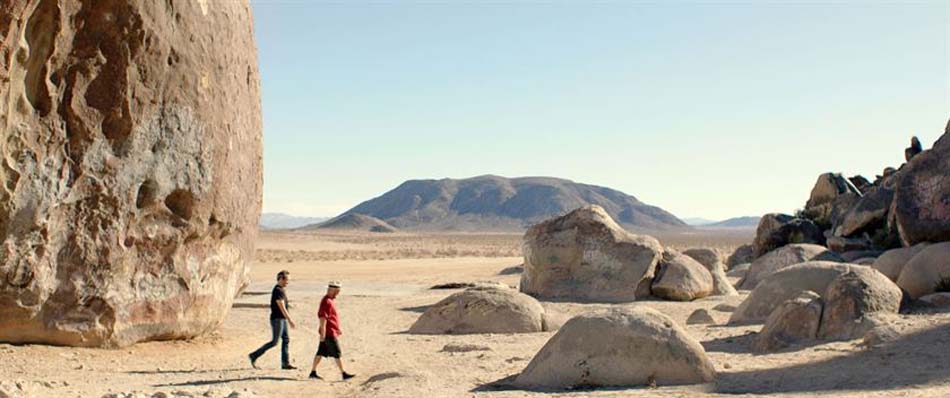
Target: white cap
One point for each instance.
(336, 284)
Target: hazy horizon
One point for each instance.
(705, 110)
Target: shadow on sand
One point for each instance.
(195, 383)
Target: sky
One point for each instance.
(706, 109)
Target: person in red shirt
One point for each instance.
(329, 332)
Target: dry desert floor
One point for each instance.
(387, 280)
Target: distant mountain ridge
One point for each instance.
(735, 222)
(354, 222)
(287, 221)
(491, 202)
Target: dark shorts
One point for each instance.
(329, 348)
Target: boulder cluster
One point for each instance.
(585, 256)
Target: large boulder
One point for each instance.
(891, 262)
(620, 347)
(132, 172)
(681, 278)
(482, 310)
(586, 256)
(712, 260)
(794, 321)
(777, 230)
(742, 255)
(928, 271)
(782, 257)
(921, 206)
(827, 190)
(851, 298)
(869, 214)
(785, 285)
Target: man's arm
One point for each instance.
(323, 328)
(283, 310)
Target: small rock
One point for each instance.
(452, 347)
(700, 317)
(725, 307)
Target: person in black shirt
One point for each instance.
(279, 321)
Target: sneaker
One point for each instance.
(314, 375)
(253, 360)
(347, 376)
(288, 367)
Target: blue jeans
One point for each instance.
(278, 330)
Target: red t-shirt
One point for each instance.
(328, 312)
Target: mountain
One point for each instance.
(287, 221)
(698, 221)
(493, 203)
(735, 223)
(355, 222)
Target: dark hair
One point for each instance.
(282, 275)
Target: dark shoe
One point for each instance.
(314, 375)
(253, 360)
(347, 376)
(288, 367)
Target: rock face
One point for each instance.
(681, 278)
(891, 262)
(700, 317)
(921, 206)
(851, 298)
(925, 271)
(482, 310)
(712, 260)
(630, 347)
(782, 257)
(742, 255)
(795, 321)
(586, 256)
(825, 195)
(785, 285)
(777, 230)
(132, 173)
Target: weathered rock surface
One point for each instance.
(132, 173)
(921, 205)
(586, 256)
(891, 262)
(742, 255)
(851, 298)
(629, 347)
(939, 300)
(777, 230)
(785, 285)
(681, 278)
(783, 257)
(868, 214)
(927, 270)
(482, 310)
(712, 260)
(821, 203)
(794, 321)
(739, 271)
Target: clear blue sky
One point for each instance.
(705, 109)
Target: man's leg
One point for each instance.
(284, 345)
(275, 334)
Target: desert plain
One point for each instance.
(387, 285)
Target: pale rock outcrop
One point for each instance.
(927, 270)
(794, 321)
(851, 298)
(782, 257)
(681, 278)
(826, 196)
(629, 347)
(891, 262)
(132, 168)
(586, 256)
(712, 260)
(785, 285)
(482, 310)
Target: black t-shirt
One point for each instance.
(277, 294)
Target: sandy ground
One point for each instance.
(383, 295)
